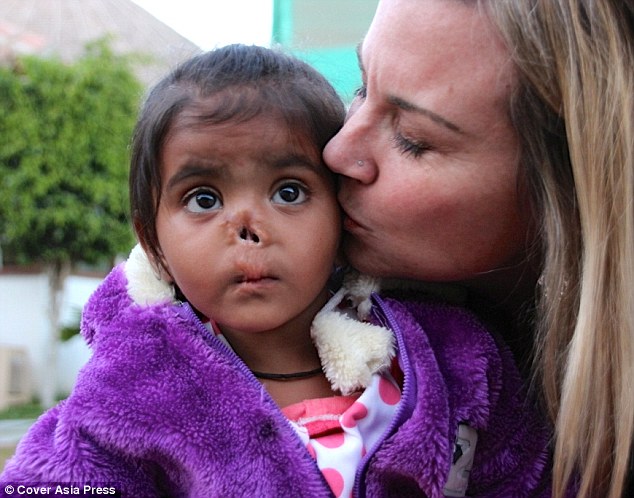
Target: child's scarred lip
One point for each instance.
(256, 287)
(255, 280)
(253, 273)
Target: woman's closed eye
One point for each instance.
(290, 193)
(361, 92)
(410, 147)
(202, 200)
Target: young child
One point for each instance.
(226, 360)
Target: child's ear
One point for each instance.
(164, 271)
(160, 266)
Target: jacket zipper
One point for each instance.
(405, 405)
(189, 314)
(224, 349)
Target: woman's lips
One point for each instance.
(350, 224)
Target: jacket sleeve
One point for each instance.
(461, 374)
(56, 451)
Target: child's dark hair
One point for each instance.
(260, 80)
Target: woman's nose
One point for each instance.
(349, 152)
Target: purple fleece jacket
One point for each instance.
(162, 408)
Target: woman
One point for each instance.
(491, 146)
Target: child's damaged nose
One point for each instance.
(249, 235)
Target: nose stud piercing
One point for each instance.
(359, 162)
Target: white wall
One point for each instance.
(24, 323)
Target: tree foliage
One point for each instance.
(64, 157)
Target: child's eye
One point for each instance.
(202, 200)
(290, 193)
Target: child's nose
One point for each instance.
(246, 225)
(247, 234)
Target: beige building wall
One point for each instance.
(14, 376)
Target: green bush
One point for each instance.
(64, 157)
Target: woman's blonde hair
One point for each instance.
(574, 111)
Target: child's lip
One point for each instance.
(252, 270)
(256, 284)
(254, 275)
(255, 278)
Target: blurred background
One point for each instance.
(72, 75)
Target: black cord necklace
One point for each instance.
(289, 376)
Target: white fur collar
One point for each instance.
(145, 285)
(351, 350)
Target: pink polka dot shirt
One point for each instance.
(339, 431)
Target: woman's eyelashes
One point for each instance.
(202, 200)
(361, 92)
(410, 147)
(406, 145)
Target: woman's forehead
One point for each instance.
(434, 53)
(444, 31)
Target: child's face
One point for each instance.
(248, 222)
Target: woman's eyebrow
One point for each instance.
(436, 118)
(408, 106)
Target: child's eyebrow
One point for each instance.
(294, 161)
(194, 171)
(217, 170)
